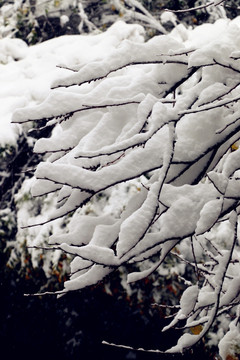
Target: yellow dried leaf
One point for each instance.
(231, 357)
(196, 329)
(234, 146)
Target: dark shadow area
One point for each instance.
(74, 326)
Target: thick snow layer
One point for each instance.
(27, 73)
(229, 344)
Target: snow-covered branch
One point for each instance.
(205, 5)
(163, 114)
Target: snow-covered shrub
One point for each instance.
(28, 81)
(38, 20)
(162, 116)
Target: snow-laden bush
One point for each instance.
(163, 115)
(38, 20)
(26, 76)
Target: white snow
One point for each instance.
(229, 344)
(27, 73)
